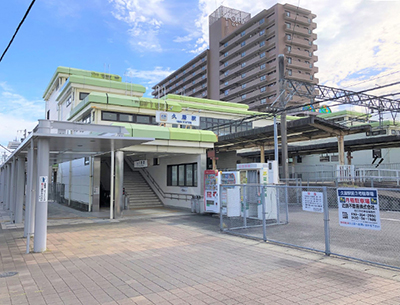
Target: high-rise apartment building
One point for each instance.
(241, 64)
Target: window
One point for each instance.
(123, 117)
(109, 116)
(243, 33)
(226, 44)
(309, 53)
(193, 82)
(263, 101)
(184, 71)
(204, 94)
(309, 31)
(243, 54)
(203, 59)
(226, 73)
(194, 73)
(309, 20)
(262, 89)
(194, 90)
(289, 60)
(203, 85)
(261, 21)
(86, 161)
(226, 83)
(264, 77)
(243, 64)
(289, 48)
(311, 77)
(203, 67)
(262, 67)
(82, 95)
(184, 79)
(262, 32)
(225, 64)
(243, 43)
(262, 43)
(226, 54)
(203, 76)
(289, 72)
(243, 75)
(194, 65)
(87, 119)
(262, 55)
(287, 14)
(142, 119)
(288, 25)
(156, 161)
(243, 96)
(243, 86)
(182, 175)
(288, 37)
(226, 92)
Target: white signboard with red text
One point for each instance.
(211, 191)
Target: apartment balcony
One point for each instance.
(255, 73)
(295, 64)
(253, 95)
(298, 53)
(300, 20)
(303, 77)
(300, 31)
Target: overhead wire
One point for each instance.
(16, 31)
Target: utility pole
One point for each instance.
(284, 147)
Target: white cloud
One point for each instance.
(150, 77)
(145, 17)
(17, 114)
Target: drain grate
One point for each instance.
(8, 274)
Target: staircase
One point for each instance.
(140, 193)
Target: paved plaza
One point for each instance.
(169, 256)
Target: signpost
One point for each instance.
(359, 208)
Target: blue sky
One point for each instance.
(357, 40)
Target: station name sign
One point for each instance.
(177, 118)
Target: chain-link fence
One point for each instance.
(317, 218)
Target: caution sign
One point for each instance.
(359, 208)
(312, 201)
(43, 189)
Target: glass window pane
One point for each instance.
(195, 174)
(123, 117)
(174, 174)
(142, 119)
(181, 175)
(189, 175)
(109, 116)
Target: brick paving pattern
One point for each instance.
(179, 260)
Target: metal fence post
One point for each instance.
(221, 221)
(263, 213)
(245, 206)
(287, 203)
(326, 223)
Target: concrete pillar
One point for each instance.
(96, 184)
(31, 229)
(262, 154)
(349, 157)
(12, 188)
(3, 185)
(40, 240)
(20, 189)
(341, 149)
(112, 185)
(7, 188)
(29, 189)
(119, 182)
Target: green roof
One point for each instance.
(167, 133)
(206, 101)
(342, 113)
(85, 73)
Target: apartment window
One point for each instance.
(262, 32)
(243, 43)
(226, 73)
(87, 119)
(226, 54)
(203, 67)
(182, 175)
(288, 37)
(226, 44)
(264, 77)
(184, 87)
(204, 94)
(86, 161)
(226, 92)
(109, 116)
(184, 79)
(203, 85)
(261, 21)
(243, 33)
(262, 43)
(177, 91)
(194, 90)
(203, 76)
(194, 73)
(309, 53)
(309, 31)
(288, 25)
(289, 72)
(263, 89)
(184, 71)
(82, 95)
(289, 60)
(243, 64)
(243, 75)
(263, 101)
(225, 64)
(309, 20)
(289, 48)
(262, 67)
(194, 65)
(226, 83)
(124, 117)
(262, 55)
(243, 54)
(287, 14)
(311, 77)
(243, 96)
(243, 86)
(193, 82)
(203, 59)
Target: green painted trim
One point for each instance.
(218, 109)
(205, 101)
(125, 101)
(80, 72)
(167, 133)
(342, 113)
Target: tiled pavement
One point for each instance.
(179, 259)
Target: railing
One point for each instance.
(365, 174)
